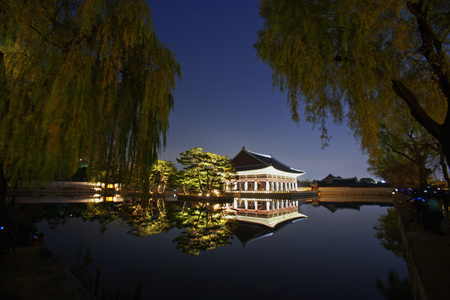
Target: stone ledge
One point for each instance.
(427, 254)
(34, 273)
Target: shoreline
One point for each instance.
(40, 275)
(426, 254)
(33, 272)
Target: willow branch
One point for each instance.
(417, 111)
(437, 59)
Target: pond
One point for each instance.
(302, 249)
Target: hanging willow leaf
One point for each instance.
(82, 79)
(361, 61)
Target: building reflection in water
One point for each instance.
(336, 202)
(212, 222)
(258, 218)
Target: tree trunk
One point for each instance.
(3, 180)
(446, 150)
(435, 54)
(3, 187)
(439, 131)
(444, 166)
(200, 184)
(3, 183)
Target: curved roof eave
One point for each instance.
(269, 160)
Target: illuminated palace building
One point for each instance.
(262, 172)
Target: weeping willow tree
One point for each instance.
(82, 79)
(361, 61)
(409, 154)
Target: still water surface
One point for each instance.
(331, 254)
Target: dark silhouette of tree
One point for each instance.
(409, 156)
(396, 289)
(388, 232)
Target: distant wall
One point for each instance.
(356, 191)
(55, 187)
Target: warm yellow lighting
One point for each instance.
(110, 186)
(109, 198)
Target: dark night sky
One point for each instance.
(225, 99)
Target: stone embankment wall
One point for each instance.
(277, 195)
(426, 253)
(55, 187)
(364, 191)
(402, 211)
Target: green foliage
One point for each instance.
(188, 180)
(162, 175)
(388, 232)
(145, 220)
(205, 171)
(409, 155)
(103, 212)
(396, 289)
(85, 79)
(361, 61)
(140, 220)
(205, 229)
(396, 170)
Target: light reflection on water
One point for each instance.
(331, 254)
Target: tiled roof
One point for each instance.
(248, 160)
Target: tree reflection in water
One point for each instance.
(388, 232)
(144, 220)
(397, 289)
(206, 228)
(103, 212)
(194, 229)
(81, 271)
